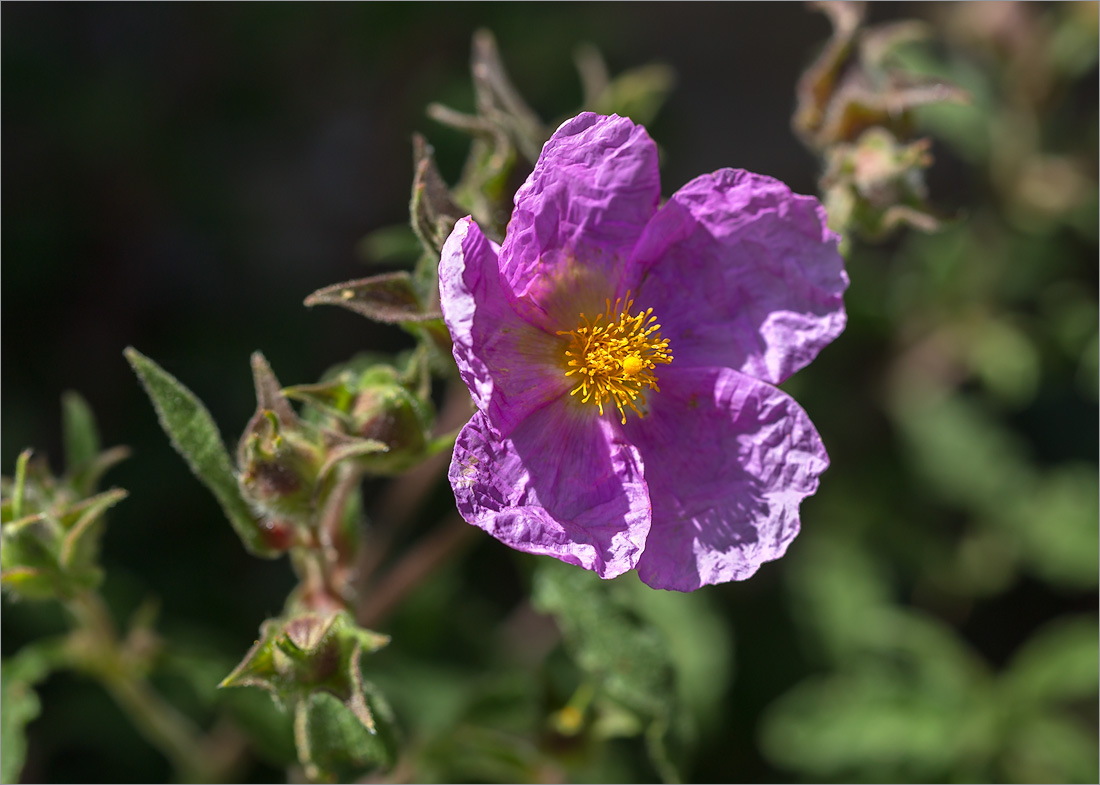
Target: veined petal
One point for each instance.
(579, 215)
(744, 274)
(563, 484)
(510, 366)
(728, 459)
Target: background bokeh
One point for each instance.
(178, 177)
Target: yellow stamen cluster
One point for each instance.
(614, 355)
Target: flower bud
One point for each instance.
(307, 652)
(279, 459)
(49, 533)
(386, 411)
(876, 184)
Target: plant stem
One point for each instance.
(428, 553)
(101, 654)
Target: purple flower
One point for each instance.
(622, 356)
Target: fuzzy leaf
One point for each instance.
(195, 436)
(335, 746)
(388, 298)
(80, 547)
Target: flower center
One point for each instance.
(614, 355)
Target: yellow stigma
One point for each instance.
(614, 355)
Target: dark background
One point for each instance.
(178, 177)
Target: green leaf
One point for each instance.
(606, 637)
(389, 298)
(622, 652)
(18, 706)
(876, 724)
(699, 639)
(1050, 748)
(840, 592)
(638, 93)
(1057, 664)
(335, 746)
(19, 703)
(1056, 524)
(80, 434)
(195, 436)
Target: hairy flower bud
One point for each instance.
(279, 461)
(371, 416)
(386, 411)
(49, 532)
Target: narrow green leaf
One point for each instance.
(80, 432)
(389, 298)
(80, 546)
(195, 436)
(20, 484)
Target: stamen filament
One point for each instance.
(614, 356)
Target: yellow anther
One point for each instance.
(614, 356)
(632, 364)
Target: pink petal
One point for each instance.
(728, 460)
(563, 484)
(578, 217)
(742, 273)
(510, 366)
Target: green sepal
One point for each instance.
(80, 546)
(375, 419)
(195, 436)
(432, 211)
(50, 554)
(363, 451)
(309, 652)
(310, 655)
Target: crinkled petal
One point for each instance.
(510, 366)
(563, 484)
(579, 215)
(728, 459)
(742, 273)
